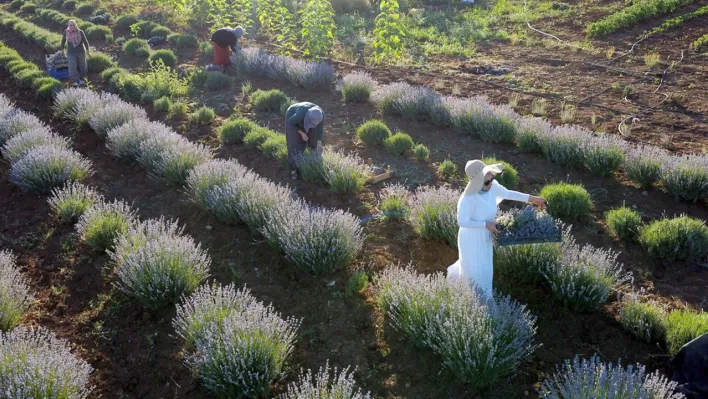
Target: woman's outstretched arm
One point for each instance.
(504, 194)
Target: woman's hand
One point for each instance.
(303, 136)
(540, 202)
(492, 227)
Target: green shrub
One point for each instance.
(206, 50)
(633, 14)
(15, 4)
(357, 283)
(447, 169)
(70, 202)
(28, 8)
(643, 320)
(161, 31)
(217, 81)
(183, 41)
(130, 87)
(85, 8)
(199, 77)
(143, 28)
(235, 130)
(683, 326)
(167, 56)
(162, 104)
(203, 116)
(137, 47)
(99, 32)
(681, 238)
(49, 89)
(99, 62)
(41, 81)
(286, 105)
(108, 74)
(126, 21)
(268, 100)
(27, 76)
(421, 152)
(257, 136)
(101, 224)
(69, 5)
(15, 67)
(524, 263)
(400, 143)
(567, 201)
(178, 109)
(373, 132)
(121, 41)
(623, 223)
(509, 176)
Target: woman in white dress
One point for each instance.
(476, 214)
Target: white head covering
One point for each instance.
(238, 31)
(313, 118)
(476, 171)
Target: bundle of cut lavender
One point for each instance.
(527, 226)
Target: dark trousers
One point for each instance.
(296, 145)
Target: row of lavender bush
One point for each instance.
(685, 177)
(40, 159)
(327, 239)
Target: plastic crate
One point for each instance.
(58, 73)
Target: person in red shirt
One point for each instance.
(223, 40)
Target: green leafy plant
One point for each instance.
(623, 223)
(389, 33)
(644, 320)
(633, 14)
(317, 19)
(268, 100)
(178, 110)
(136, 47)
(278, 22)
(357, 283)
(567, 201)
(235, 130)
(217, 81)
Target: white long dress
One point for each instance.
(474, 241)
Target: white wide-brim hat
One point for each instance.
(476, 170)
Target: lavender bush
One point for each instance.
(594, 379)
(345, 173)
(71, 201)
(317, 240)
(643, 164)
(34, 363)
(157, 263)
(45, 167)
(531, 133)
(16, 122)
(118, 113)
(16, 147)
(356, 87)
(433, 213)
(394, 201)
(565, 145)
(171, 157)
(481, 340)
(15, 297)
(411, 102)
(210, 175)
(104, 222)
(6, 105)
(686, 177)
(125, 140)
(209, 304)
(67, 101)
(310, 75)
(604, 154)
(325, 385)
(475, 116)
(582, 278)
(241, 356)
